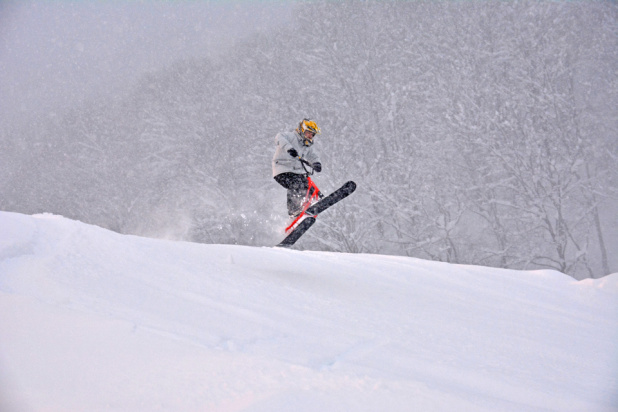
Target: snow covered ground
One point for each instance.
(91, 320)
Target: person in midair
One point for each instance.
(288, 170)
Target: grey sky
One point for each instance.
(55, 54)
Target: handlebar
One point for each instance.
(306, 163)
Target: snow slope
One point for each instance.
(91, 320)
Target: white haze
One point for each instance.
(59, 54)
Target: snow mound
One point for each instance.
(94, 320)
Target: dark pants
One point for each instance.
(297, 186)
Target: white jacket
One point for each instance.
(283, 162)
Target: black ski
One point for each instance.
(344, 191)
(297, 232)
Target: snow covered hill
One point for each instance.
(91, 320)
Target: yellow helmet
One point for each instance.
(307, 124)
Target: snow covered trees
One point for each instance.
(478, 132)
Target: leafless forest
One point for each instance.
(478, 133)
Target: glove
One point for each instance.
(317, 166)
(293, 152)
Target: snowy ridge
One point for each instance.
(94, 320)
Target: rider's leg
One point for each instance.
(297, 186)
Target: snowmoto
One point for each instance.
(314, 204)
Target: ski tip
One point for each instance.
(349, 186)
